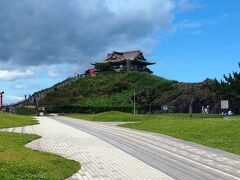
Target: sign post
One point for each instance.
(224, 106)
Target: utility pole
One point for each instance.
(191, 102)
(190, 108)
(134, 102)
(1, 100)
(36, 103)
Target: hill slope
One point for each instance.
(115, 92)
(111, 89)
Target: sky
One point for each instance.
(43, 42)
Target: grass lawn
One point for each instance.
(111, 116)
(19, 162)
(12, 120)
(209, 130)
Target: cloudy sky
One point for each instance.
(43, 42)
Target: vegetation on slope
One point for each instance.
(229, 88)
(111, 91)
(108, 89)
(19, 162)
(114, 92)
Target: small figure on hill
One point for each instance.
(230, 113)
(207, 110)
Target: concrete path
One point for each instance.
(176, 158)
(99, 159)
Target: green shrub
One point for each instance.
(87, 109)
(25, 111)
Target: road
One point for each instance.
(175, 158)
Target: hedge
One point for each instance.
(24, 111)
(87, 109)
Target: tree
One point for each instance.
(230, 85)
(229, 88)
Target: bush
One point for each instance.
(25, 111)
(87, 109)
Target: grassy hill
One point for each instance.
(114, 92)
(110, 89)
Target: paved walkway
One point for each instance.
(177, 158)
(99, 159)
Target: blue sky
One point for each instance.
(208, 48)
(190, 40)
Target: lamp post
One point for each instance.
(1, 100)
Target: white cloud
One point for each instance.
(54, 73)
(186, 5)
(10, 99)
(187, 26)
(20, 86)
(9, 75)
(77, 31)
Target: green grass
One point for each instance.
(13, 120)
(209, 130)
(110, 116)
(112, 89)
(19, 162)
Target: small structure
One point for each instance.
(127, 61)
(224, 104)
(91, 72)
(225, 107)
(41, 111)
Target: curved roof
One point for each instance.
(129, 55)
(118, 57)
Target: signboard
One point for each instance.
(164, 107)
(224, 104)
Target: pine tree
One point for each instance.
(230, 85)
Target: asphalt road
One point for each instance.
(176, 158)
